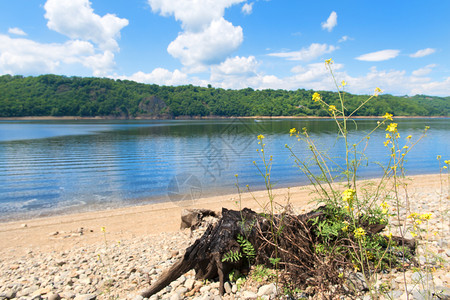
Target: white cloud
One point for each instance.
(160, 76)
(379, 55)
(424, 71)
(101, 64)
(234, 72)
(207, 37)
(238, 65)
(209, 46)
(193, 14)
(344, 39)
(17, 31)
(331, 22)
(24, 56)
(77, 20)
(247, 8)
(423, 52)
(306, 54)
(316, 76)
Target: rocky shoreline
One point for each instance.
(121, 269)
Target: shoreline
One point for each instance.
(74, 118)
(62, 232)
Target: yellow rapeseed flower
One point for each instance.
(438, 157)
(413, 234)
(328, 62)
(388, 116)
(388, 136)
(385, 207)
(387, 143)
(413, 216)
(343, 83)
(347, 195)
(316, 97)
(292, 131)
(447, 162)
(409, 137)
(425, 216)
(392, 127)
(260, 137)
(332, 108)
(345, 228)
(103, 229)
(359, 233)
(377, 91)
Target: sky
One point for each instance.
(402, 47)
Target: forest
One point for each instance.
(55, 95)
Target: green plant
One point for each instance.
(232, 256)
(246, 247)
(351, 208)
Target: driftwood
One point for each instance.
(194, 218)
(205, 255)
(294, 248)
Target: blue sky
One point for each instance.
(402, 47)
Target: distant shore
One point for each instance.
(70, 118)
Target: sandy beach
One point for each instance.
(69, 257)
(58, 233)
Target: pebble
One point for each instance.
(249, 295)
(227, 287)
(123, 270)
(267, 289)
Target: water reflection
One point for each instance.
(94, 164)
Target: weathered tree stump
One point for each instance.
(293, 248)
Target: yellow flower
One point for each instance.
(388, 116)
(103, 229)
(444, 167)
(377, 91)
(260, 137)
(389, 235)
(332, 108)
(387, 143)
(405, 147)
(292, 131)
(413, 234)
(343, 83)
(359, 233)
(392, 127)
(438, 157)
(425, 216)
(348, 195)
(328, 61)
(348, 208)
(413, 216)
(316, 97)
(409, 137)
(388, 136)
(447, 162)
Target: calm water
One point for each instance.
(49, 167)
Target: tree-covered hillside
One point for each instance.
(53, 95)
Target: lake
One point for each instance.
(52, 167)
